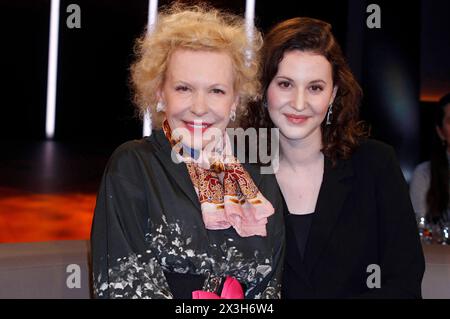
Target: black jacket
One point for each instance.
(363, 216)
(149, 240)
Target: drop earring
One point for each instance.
(329, 113)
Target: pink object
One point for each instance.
(232, 289)
(200, 294)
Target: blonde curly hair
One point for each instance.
(199, 27)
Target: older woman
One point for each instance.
(350, 226)
(172, 219)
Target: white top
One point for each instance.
(418, 188)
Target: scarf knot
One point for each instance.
(227, 194)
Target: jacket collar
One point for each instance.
(333, 192)
(179, 171)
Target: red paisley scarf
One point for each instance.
(227, 194)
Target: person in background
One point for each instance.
(350, 226)
(429, 186)
(171, 221)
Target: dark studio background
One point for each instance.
(393, 63)
(404, 68)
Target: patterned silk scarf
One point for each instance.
(227, 194)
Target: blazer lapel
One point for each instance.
(334, 190)
(253, 171)
(178, 171)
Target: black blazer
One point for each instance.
(363, 216)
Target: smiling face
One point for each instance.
(198, 93)
(299, 94)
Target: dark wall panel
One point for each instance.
(391, 77)
(94, 101)
(268, 13)
(24, 27)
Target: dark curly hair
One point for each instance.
(342, 136)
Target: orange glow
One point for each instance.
(433, 90)
(430, 97)
(30, 217)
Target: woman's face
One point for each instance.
(444, 131)
(198, 93)
(300, 93)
